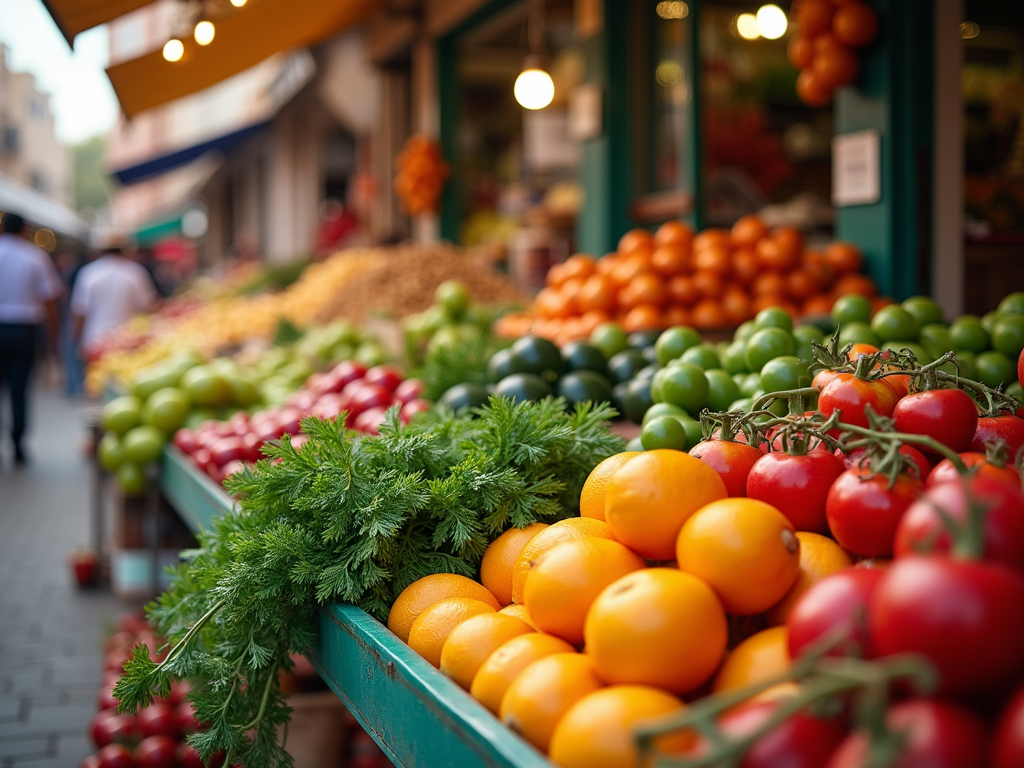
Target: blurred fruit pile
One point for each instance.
(823, 48)
(450, 321)
(421, 175)
(716, 279)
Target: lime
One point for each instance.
(453, 298)
(166, 409)
(722, 390)
(742, 404)
(694, 433)
(968, 333)
(643, 339)
(664, 432)
(897, 345)
(1016, 391)
(734, 360)
(624, 365)
(751, 384)
(774, 317)
(635, 445)
(584, 385)
(109, 453)
(851, 308)
(204, 386)
(540, 357)
(685, 385)
(673, 342)
(703, 356)
(121, 414)
(1008, 335)
(647, 372)
(968, 362)
(463, 396)
(657, 382)
(500, 365)
(784, 373)
(609, 338)
(995, 369)
(637, 400)
(1012, 304)
(936, 338)
(244, 391)
(744, 331)
(581, 356)
(142, 445)
(858, 333)
(894, 322)
(155, 377)
(199, 415)
(664, 409)
(131, 479)
(523, 386)
(988, 321)
(924, 308)
(767, 344)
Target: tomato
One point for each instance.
(732, 460)
(93, 761)
(158, 719)
(1009, 429)
(964, 617)
(156, 752)
(852, 395)
(863, 512)
(185, 718)
(938, 735)
(944, 471)
(920, 463)
(1020, 368)
(109, 727)
(922, 527)
(1008, 739)
(800, 741)
(823, 377)
(946, 415)
(116, 756)
(837, 601)
(796, 485)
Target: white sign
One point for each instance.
(856, 169)
(585, 112)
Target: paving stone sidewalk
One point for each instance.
(51, 633)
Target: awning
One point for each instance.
(75, 16)
(156, 165)
(243, 39)
(39, 209)
(158, 230)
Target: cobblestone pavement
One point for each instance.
(51, 633)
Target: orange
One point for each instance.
(709, 313)
(596, 294)
(592, 498)
(598, 730)
(746, 550)
(645, 288)
(835, 66)
(543, 692)
(799, 51)
(676, 314)
(674, 232)
(811, 91)
(681, 290)
(567, 579)
(769, 283)
(504, 665)
(472, 641)
(820, 556)
(633, 240)
(643, 317)
(670, 259)
(564, 530)
(500, 558)
(650, 497)
(844, 257)
(748, 230)
(757, 659)
(429, 590)
(658, 626)
(711, 236)
(745, 266)
(818, 305)
(709, 284)
(519, 611)
(854, 283)
(579, 266)
(432, 627)
(714, 258)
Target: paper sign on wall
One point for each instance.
(856, 169)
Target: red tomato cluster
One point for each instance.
(220, 448)
(422, 172)
(823, 49)
(153, 738)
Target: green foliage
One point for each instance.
(275, 278)
(352, 519)
(449, 364)
(91, 184)
(286, 332)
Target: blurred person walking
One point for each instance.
(29, 288)
(109, 291)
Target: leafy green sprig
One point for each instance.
(348, 518)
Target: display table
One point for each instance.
(417, 715)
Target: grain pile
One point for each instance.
(402, 279)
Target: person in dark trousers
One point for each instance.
(29, 287)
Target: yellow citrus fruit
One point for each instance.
(433, 626)
(650, 497)
(500, 557)
(519, 611)
(504, 665)
(820, 556)
(592, 498)
(429, 590)
(470, 643)
(746, 550)
(564, 530)
(659, 627)
(758, 658)
(543, 692)
(569, 577)
(597, 731)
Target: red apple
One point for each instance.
(410, 409)
(92, 761)
(185, 715)
(299, 440)
(202, 458)
(179, 690)
(368, 396)
(252, 444)
(328, 406)
(350, 391)
(156, 752)
(227, 449)
(346, 372)
(229, 469)
(158, 719)
(369, 421)
(409, 390)
(268, 429)
(239, 423)
(290, 418)
(302, 401)
(116, 756)
(109, 727)
(187, 757)
(185, 440)
(387, 376)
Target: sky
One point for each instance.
(81, 97)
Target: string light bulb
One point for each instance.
(174, 49)
(238, 3)
(204, 32)
(534, 88)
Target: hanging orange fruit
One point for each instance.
(822, 49)
(421, 175)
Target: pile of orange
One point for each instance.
(612, 618)
(421, 175)
(823, 49)
(718, 278)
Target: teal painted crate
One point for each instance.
(418, 716)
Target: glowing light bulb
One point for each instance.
(238, 3)
(746, 26)
(771, 22)
(534, 88)
(204, 32)
(174, 49)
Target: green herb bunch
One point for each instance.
(464, 363)
(347, 518)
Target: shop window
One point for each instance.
(37, 181)
(36, 106)
(11, 143)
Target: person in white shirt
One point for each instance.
(29, 287)
(107, 292)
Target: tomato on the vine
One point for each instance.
(964, 617)
(796, 485)
(938, 735)
(835, 607)
(863, 511)
(944, 471)
(949, 416)
(1009, 429)
(852, 396)
(857, 458)
(1008, 739)
(731, 459)
(923, 529)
